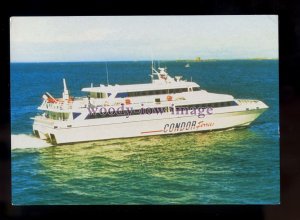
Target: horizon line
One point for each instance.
(177, 60)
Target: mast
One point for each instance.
(106, 73)
(66, 91)
(152, 66)
(151, 70)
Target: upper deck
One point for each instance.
(140, 87)
(159, 81)
(163, 90)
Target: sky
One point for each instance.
(126, 38)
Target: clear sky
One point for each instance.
(43, 39)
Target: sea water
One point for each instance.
(222, 167)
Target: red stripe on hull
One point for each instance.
(145, 132)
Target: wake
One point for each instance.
(22, 141)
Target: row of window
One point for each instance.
(57, 115)
(98, 95)
(141, 93)
(159, 110)
(208, 105)
(154, 92)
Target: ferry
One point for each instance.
(166, 105)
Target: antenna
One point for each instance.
(106, 73)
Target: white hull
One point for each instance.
(143, 125)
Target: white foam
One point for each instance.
(21, 141)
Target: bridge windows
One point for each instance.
(98, 95)
(57, 115)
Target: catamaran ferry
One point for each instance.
(166, 105)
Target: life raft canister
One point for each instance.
(169, 98)
(127, 101)
(51, 100)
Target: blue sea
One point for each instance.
(222, 167)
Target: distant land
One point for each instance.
(198, 59)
